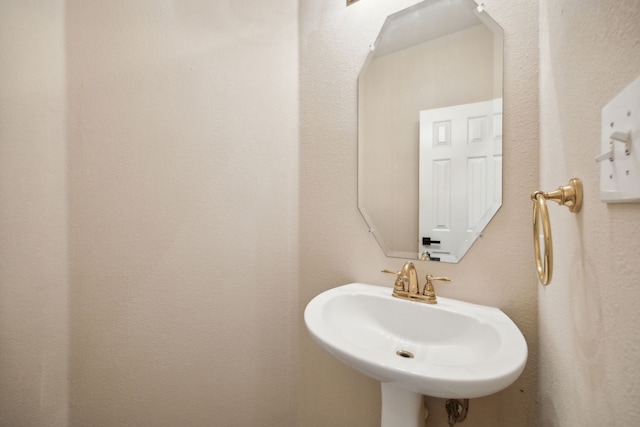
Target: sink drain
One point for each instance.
(404, 353)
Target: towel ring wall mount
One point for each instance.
(569, 196)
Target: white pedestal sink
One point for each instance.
(452, 349)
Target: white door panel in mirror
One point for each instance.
(460, 182)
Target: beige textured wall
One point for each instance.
(179, 315)
(183, 196)
(589, 317)
(335, 247)
(33, 221)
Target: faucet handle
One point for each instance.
(395, 273)
(429, 291)
(430, 278)
(399, 285)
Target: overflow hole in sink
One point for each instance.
(406, 354)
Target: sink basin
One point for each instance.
(452, 349)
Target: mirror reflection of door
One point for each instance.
(460, 176)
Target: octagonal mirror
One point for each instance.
(430, 130)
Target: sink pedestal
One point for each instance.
(401, 408)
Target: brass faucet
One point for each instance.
(409, 276)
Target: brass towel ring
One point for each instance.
(569, 196)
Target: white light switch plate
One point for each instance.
(620, 177)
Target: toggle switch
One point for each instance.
(620, 147)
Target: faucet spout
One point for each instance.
(410, 275)
(407, 276)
